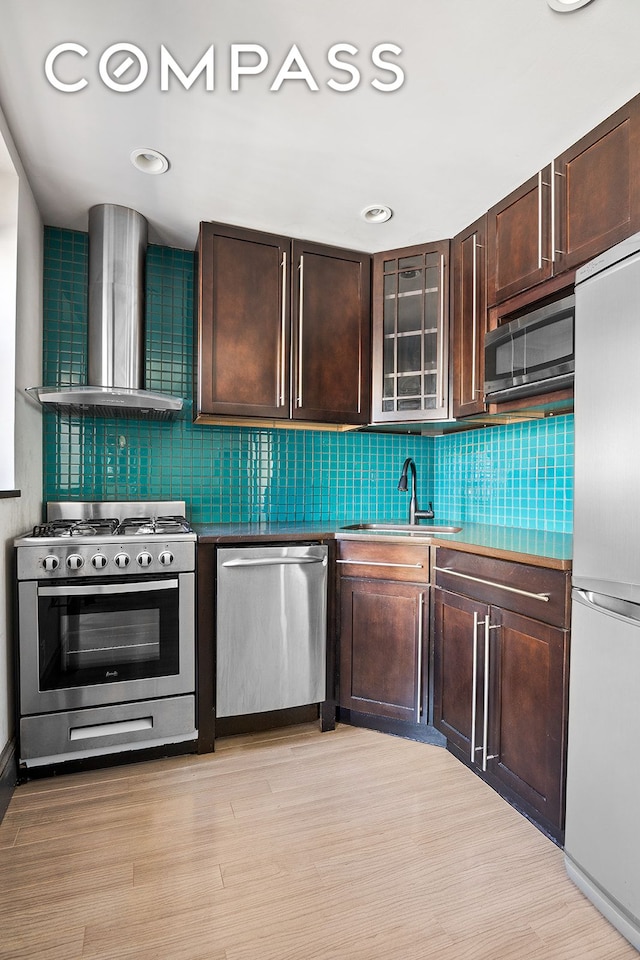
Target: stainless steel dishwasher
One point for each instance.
(271, 627)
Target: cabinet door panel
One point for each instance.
(331, 334)
(519, 241)
(243, 323)
(527, 729)
(410, 334)
(454, 700)
(382, 627)
(597, 183)
(469, 319)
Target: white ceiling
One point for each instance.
(493, 90)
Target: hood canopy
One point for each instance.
(117, 248)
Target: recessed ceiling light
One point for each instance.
(566, 6)
(147, 160)
(376, 213)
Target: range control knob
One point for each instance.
(121, 560)
(144, 558)
(75, 561)
(98, 561)
(166, 558)
(50, 563)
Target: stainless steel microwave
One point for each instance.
(531, 354)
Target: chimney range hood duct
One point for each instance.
(117, 247)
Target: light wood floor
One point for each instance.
(296, 845)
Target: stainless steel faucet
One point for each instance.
(414, 513)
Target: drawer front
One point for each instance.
(106, 730)
(537, 592)
(373, 560)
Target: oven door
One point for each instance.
(105, 641)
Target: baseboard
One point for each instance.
(8, 776)
(269, 720)
(422, 732)
(104, 761)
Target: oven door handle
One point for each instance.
(80, 590)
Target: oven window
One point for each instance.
(107, 637)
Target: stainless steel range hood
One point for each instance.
(117, 247)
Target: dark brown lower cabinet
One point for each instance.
(500, 685)
(383, 626)
(383, 629)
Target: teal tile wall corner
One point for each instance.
(519, 475)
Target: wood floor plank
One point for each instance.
(288, 845)
(36, 946)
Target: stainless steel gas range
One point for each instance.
(106, 623)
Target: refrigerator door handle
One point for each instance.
(611, 606)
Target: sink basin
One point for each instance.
(428, 528)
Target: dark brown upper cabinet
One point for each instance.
(468, 318)
(331, 334)
(571, 211)
(283, 329)
(410, 334)
(597, 188)
(243, 334)
(519, 239)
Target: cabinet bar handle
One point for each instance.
(553, 211)
(283, 332)
(475, 319)
(487, 677)
(485, 701)
(440, 374)
(556, 173)
(300, 322)
(540, 220)
(544, 597)
(380, 563)
(420, 638)
(474, 686)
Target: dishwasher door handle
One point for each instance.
(273, 561)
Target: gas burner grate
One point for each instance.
(89, 527)
(150, 526)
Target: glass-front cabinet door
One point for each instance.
(410, 334)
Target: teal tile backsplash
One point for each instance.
(519, 475)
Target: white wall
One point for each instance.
(9, 192)
(18, 514)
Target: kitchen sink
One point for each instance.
(429, 528)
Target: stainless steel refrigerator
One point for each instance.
(602, 839)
